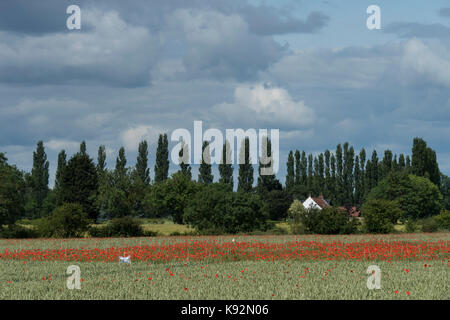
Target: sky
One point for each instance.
(135, 69)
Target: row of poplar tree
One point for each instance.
(343, 177)
(122, 190)
(346, 177)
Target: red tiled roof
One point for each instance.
(321, 202)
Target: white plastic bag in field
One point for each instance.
(125, 259)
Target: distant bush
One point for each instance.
(120, 227)
(443, 220)
(125, 227)
(187, 233)
(98, 232)
(330, 220)
(412, 225)
(430, 224)
(380, 215)
(170, 197)
(277, 203)
(417, 197)
(296, 212)
(218, 210)
(16, 231)
(66, 221)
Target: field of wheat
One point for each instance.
(413, 266)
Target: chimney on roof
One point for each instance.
(309, 195)
(321, 195)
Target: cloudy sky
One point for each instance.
(309, 68)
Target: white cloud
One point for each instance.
(267, 104)
(107, 50)
(133, 136)
(221, 46)
(432, 62)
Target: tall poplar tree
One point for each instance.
(433, 172)
(401, 162)
(267, 180)
(374, 169)
(419, 151)
(298, 168)
(162, 159)
(309, 179)
(303, 169)
(362, 166)
(204, 172)
(359, 189)
(245, 178)
(327, 189)
(348, 179)
(339, 175)
(424, 162)
(62, 163)
(225, 166)
(39, 177)
(101, 160)
(121, 163)
(368, 178)
(408, 164)
(321, 173)
(183, 160)
(142, 170)
(386, 164)
(395, 165)
(290, 176)
(83, 147)
(332, 186)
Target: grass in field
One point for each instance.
(101, 243)
(167, 228)
(163, 227)
(344, 279)
(231, 280)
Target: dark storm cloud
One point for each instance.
(221, 46)
(444, 12)
(33, 17)
(121, 43)
(419, 30)
(264, 20)
(153, 66)
(112, 53)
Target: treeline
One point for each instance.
(84, 186)
(123, 191)
(346, 177)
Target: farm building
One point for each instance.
(320, 203)
(315, 203)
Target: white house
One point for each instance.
(315, 203)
